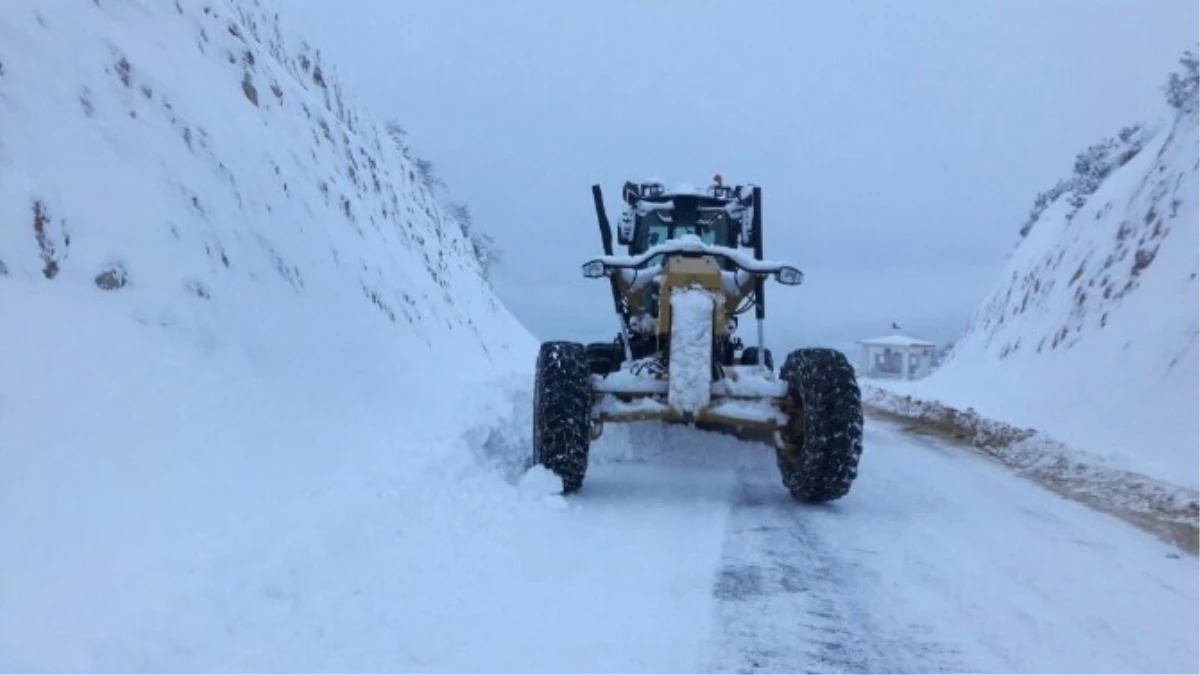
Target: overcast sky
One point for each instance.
(899, 144)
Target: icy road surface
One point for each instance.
(938, 560)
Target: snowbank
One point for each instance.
(1091, 336)
(1158, 506)
(242, 340)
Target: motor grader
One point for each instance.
(693, 268)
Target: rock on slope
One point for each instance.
(232, 317)
(1091, 335)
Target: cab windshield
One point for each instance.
(656, 230)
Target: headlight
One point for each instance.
(594, 269)
(789, 276)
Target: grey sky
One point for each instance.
(899, 144)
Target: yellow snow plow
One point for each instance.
(694, 265)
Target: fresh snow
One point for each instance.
(690, 365)
(690, 243)
(272, 383)
(1092, 334)
(761, 410)
(742, 381)
(897, 341)
(611, 405)
(753, 380)
(739, 387)
(260, 411)
(541, 482)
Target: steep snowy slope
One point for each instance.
(229, 307)
(1091, 336)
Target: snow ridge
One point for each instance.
(1161, 507)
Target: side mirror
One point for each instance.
(789, 276)
(594, 269)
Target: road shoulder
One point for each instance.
(1168, 511)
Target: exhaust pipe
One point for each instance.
(606, 240)
(760, 303)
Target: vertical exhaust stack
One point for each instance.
(606, 241)
(760, 302)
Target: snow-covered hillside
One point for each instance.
(227, 302)
(1091, 335)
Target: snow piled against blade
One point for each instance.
(692, 309)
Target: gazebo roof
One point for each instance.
(896, 340)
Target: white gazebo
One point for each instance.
(896, 356)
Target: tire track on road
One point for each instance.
(787, 601)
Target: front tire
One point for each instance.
(822, 444)
(562, 410)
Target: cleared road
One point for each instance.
(684, 552)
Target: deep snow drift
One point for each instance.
(1091, 336)
(229, 308)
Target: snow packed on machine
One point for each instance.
(693, 267)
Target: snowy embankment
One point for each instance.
(1091, 339)
(241, 343)
(1166, 509)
